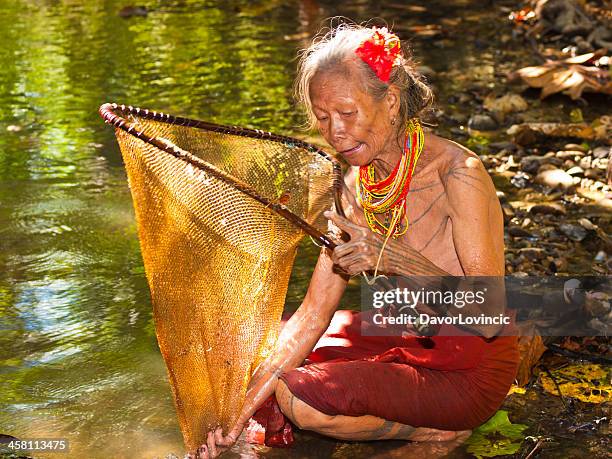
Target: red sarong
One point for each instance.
(442, 382)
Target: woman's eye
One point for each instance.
(321, 118)
(348, 113)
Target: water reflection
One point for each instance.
(78, 355)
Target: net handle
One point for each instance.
(109, 113)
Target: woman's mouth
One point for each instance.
(352, 151)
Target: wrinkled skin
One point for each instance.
(456, 229)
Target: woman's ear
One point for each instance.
(393, 101)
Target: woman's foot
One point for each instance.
(426, 434)
(431, 449)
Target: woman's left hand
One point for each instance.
(361, 252)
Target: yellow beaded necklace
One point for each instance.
(388, 197)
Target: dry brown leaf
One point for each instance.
(557, 83)
(531, 348)
(580, 59)
(568, 76)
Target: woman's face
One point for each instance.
(355, 124)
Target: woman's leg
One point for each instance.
(358, 428)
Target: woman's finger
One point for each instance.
(343, 249)
(231, 437)
(212, 446)
(359, 268)
(354, 258)
(219, 436)
(202, 452)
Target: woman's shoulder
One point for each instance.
(447, 155)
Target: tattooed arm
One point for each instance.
(297, 339)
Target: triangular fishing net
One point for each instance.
(220, 213)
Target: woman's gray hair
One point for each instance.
(331, 50)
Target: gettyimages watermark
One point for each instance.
(487, 306)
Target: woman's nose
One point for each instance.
(337, 128)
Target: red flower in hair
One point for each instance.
(381, 52)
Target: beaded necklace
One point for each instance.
(388, 197)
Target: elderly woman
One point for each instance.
(361, 90)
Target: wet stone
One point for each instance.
(517, 231)
(533, 253)
(554, 178)
(531, 164)
(574, 232)
(602, 152)
(575, 147)
(482, 123)
(587, 224)
(585, 162)
(600, 163)
(601, 256)
(576, 170)
(592, 173)
(548, 209)
(499, 146)
(521, 180)
(569, 154)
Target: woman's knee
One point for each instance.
(299, 412)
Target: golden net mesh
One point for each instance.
(217, 254)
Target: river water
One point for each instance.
(78, 355)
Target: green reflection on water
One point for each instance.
(78, 355)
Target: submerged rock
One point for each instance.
(130, 11)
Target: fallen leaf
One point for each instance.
(497, 437)
(514, 389)
(531, 349)
(589, 383)
(570, 76)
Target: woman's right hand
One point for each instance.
(216, 443)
